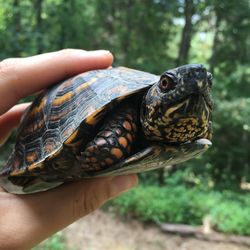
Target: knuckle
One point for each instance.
(67, 57)
(7, 64)
(8, 67)
(67, 52)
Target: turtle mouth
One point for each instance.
(206, 96)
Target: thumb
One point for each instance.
(74, 200)
(48, 212)
(96, 192)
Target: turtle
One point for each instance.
(110, 122)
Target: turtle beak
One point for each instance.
(202, 85)
(206, 93)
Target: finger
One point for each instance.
(41, 215)
(22, 76)
(10, 120)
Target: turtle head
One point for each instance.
(178, 107)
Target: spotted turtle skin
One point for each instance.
(110, 122)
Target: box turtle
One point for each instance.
(110, 122)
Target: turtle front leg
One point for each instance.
(113, 142)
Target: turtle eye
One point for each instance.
(166, 83)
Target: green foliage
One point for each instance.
(232, 86)
(231, 217)
(232, 134)
(228, 211)
(233, 37)
(55, 242)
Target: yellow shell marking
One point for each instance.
(72, 137)
(17, 172)
(62, 99)
(31, 157)
(35, 166)
(55, 153)
(66, 97)
(91, 119)
(38, 109)
(80, 88)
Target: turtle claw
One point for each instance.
(203, 141)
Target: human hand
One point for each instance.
(27, 220)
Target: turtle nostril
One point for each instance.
(201, 73)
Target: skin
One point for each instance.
(27, 220)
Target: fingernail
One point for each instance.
(100, 52)
(123, 183)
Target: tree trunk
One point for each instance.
(125, 42)
(212, 60)
(186, 34)
(16, 46)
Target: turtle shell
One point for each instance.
(55, 116)
(71, 109)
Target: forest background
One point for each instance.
(155, 35)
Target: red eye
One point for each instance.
(166, 83)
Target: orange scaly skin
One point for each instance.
(114, 141)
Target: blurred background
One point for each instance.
(155, 35)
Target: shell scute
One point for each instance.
(57, 113)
